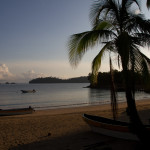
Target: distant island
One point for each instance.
(10, 83)
(82, 79)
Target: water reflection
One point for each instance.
(57, 95)
(99, 96)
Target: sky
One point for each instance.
(34, 36)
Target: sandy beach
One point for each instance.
(64, 129)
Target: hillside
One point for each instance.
(83, 79)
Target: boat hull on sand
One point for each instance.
(110, 127)
(20, 111)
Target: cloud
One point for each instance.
(31, 74)
(5, 74)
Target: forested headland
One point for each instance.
(83, 79)
(103, 80)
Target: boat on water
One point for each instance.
(28, 91)
(110, 127)
(19, 111)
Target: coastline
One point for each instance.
(62, 128)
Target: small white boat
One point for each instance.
(110, 127)
(19, 111)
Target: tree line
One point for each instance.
(104, 79)
(82, 79)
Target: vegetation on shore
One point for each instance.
(103, 81)
(83, 79)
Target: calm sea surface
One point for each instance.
(49, 96)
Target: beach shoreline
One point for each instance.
(62, 128)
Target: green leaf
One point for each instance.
(97, 60)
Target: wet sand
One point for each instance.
(64, 129)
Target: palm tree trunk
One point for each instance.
(137, 126)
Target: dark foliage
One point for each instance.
(58, 80)
(103, 80)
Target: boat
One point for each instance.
(19, 111)
(109, 127)
(28, 91)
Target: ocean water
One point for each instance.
(50, 96)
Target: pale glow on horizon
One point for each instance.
(31, 70)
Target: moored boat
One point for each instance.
(19, 111)
(110, 127)
(28, 91)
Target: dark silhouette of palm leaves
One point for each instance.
(120, 31)
(148, 4)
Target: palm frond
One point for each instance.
(96, 9)
(102, 25)
(103, 8)
(80, 43)
(143, 64)
(128, 3)
(141, 23)
(141, 39)
(97, 60)
(148, 4)
(145, 57)
(74, 54)
(118, 60)
(139, 61)
(145, 71)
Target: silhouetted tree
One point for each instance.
(121, 31)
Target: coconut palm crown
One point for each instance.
(119, 30)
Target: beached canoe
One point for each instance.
(110, 127)
(19, 111)
(28, 91)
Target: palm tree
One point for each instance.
(120, 31)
